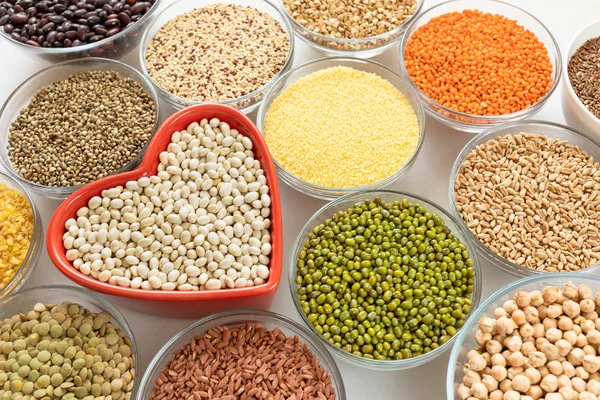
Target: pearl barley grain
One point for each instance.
(188, 241)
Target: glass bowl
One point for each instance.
(25, 300)
(361, 47)
(247, 103)
(37, 241)
(346, 202)
(373, 67)
(22, 95)
(235, 318)
(478, 123)
(466, 339)
(115, 46)
(549, 129)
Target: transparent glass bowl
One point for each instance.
(466, 338)
(25, 300)
(235, 318)
(362, 47)
(115, 46)
(247, 103)
(22, 95)
(373, 67)
(478, 123)
(37, 241)
(549, 129)
(343, 203)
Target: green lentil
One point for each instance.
(395, 278)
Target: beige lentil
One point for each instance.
(244, 362)
(216, 53)
(532, 200)
(341, 127)
(349, 19)
(555, 363)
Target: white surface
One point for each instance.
(429, 177)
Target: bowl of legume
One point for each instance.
(21, 235)
(76, 122)
(526, 192)
(79, 28)
(63, 341)
(216, 51)
(350, 29)
(533, 339)
(476, 64)
(580, 76)
(339, 125)
(384, 279)
(252, 354)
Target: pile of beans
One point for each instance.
(64, 352)
(538, 345)
(469, 62)
(16, 232)
(385, 281)
(54, 23)
(81, 129)
(584, 74)
(202, 222)
(244, 362)
(237, 49)
(533, 201)
(340, 128)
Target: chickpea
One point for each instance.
(488, 358)
(587, 305)
(533, 375)
(564, 347)
(536, 298)
(498, 359)
(479, 391)
(585, 292)
(591, 363)
(510, 306)
(597, 299)
(568, 393)
(597, 324)
(554, 311)
(593, 386)
(538, 330)
(544, 371)
(486, 324)
(499, 373)
(551, 351)
(542, 311)
(505, 326)
(565, 323)
(537, 359)
(587, 325)
(555, 367)
(523, 299)
(568, 369)
(490, 383)
(532, 315)
(535, 392)
(526, 330)
(527, 348)
(587, 396)
(518, 317)
(497, 395)
(570, 291)
(571, 308)
(580, 372)
(506, 385)
(549, 383)
(592, 316)
(521, 383)
(595, 376)
(549, 323)
(486, 371)
(570, 336)
(553, 334)
(463, 392)
(526, 398)
(581, 340)
(577, 326)
(471, 377)
(513, 343)
(499, 313)
(493, 347)
(575, 357)
(589, 350)
(553, 396)
(563, 381)
(539, 342)
(578, 384)
(482, 337)
(476, 361)
(514, 371)
(511, 395)
(550, 294)
(516, 359)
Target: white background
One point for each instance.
(429, 177)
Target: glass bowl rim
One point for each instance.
(296, 327)
(261, 117)
(482, 309)
(139, 78)
(396, 31)
(385, 365)
(87, 46)
(430, 103)
(497, 260)
(37, 237)
(169, 97)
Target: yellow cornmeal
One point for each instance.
(341, 128)
(16, 232)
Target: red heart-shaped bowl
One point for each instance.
(250, 297)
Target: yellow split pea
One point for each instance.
(341, 128)
(16, 232)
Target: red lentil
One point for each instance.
(478, 63)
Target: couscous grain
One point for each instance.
(341, 128)
(16, 232)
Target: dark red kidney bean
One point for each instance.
(90, 14)
(136, 18)
(57, 44)
(79, 13)
(41, 7)
(2, 12)
(23, 39)
(32, 20)
(10, 11)
(124, 18)
(66, 26)
(112, 23)
(71, 35)
(93, 20)
(18, 18)
(100, 3)
(4, 19)
(41, 39)
(82, 21)
(26, 3)
(51, 37)
(18, 9)
(48, 27)
(41, 23)
(72, 8)
(60, 36)
(15, 36)
(96, 38)
(102, 15)
(117, 8)
(57, 19)
(8, 28)
(100, 30)
(89, 7)
(31, 12)
(81, 32)
(88, 36)
(59, 8)
(112, 32)
(32, 43)
(31, 30)
(67, 42)
(76, 43)
(68, 14)
(139, 8)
